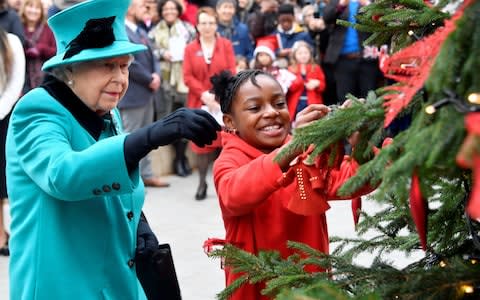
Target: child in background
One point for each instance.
(264, 58)
(247, 179)
(309, 84)
(288, 33)
(241, 63)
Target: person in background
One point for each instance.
(189, 11)
(170, 37)
(39, 42)
(10, 21)
(73, 177)
(12, 75)
(204, 57)
(137, 106)
(355, 71)
(230, 28)
(15, 4)
(289, 32)
(59, 5)
(244, 8)
(315, 24)
(46, 6)
(255, 201)
(241, 63)
(309, 84)
(264, 59)
(151, 17)
(262, 22)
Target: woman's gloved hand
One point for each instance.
(196, 125)
(147, 242)
(193, 124)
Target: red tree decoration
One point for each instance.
(418, 209)
(411, 67)
(469, 157)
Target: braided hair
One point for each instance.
(225, 85)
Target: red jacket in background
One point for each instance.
(189, 13)
(296, 88)
(39, 46)
(253, 202)
(197, 73)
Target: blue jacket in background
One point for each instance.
(289, 38)
(241, 41)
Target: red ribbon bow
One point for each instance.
(310, 177)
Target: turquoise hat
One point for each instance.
(90, 30)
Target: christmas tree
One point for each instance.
(427, 178)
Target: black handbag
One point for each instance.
(157, 275)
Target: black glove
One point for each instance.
(194, 124)
(147, 242)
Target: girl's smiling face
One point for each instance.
(302, 55)
(259, 113)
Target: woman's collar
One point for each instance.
(89, 120)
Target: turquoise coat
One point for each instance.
(74, 206)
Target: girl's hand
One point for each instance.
(209, 100)
(312, 84)
(308, 115)
(167, 56)
(365, 2)
(311, 113)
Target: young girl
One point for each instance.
(309, 84)
(264, 59)
(249, 185)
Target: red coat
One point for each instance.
(296, 88)
(252, 202)
(189, 13)
(197, 73)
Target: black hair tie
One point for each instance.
(97, 33)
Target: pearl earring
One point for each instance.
(70, 82)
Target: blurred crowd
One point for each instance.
(298, 41)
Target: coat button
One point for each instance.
(116, 186)
(97, 192)
(130, 263)
(130, 215)
(106, 188)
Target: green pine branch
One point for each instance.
(345, 280)
(391, 21)
(428, 146)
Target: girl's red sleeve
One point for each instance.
(337, 178)
(242, 185)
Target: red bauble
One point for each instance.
(418, 209)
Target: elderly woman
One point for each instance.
(72, 176)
